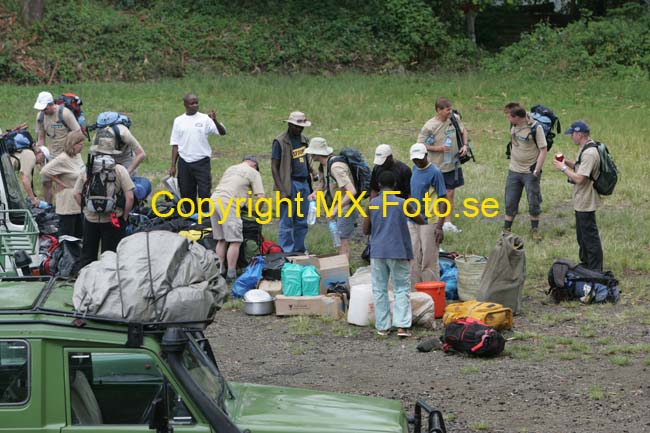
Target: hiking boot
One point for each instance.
(450, 227)
(535, 235)
(506, 231)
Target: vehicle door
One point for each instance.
(122, 391)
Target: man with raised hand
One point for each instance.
(192, 151)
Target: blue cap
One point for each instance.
(578, 126)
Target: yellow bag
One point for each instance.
(494, 315)
(195, 235)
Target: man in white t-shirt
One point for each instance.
(191, 149)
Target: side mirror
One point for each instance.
(159, 420)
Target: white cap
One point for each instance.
(43, 100)
(382, 152)
(418, 151)
(46, 153)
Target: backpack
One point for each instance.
(358, 167)
(17, 140)
(469, 156)
(568, 281)
(270, 247)
(73, 103)
(547, 120)
(473, 337)
(100, 190)
(110, 119)
(608, 172)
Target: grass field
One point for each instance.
(364, 111)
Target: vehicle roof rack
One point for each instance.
(80, 320)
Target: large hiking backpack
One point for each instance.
(358, 167)
(110, 119)
(609, 175)
(100, 190)
(473, 337)
(547, 120)
(73, 103)
(17, 140)
(568, 281)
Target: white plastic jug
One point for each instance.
(359, 308)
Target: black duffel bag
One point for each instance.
(473, 337)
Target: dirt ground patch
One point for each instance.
(569, 368)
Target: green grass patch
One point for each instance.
(481, 426)
(620, 360)
(470, 369)
(305, 326)
(596, 392)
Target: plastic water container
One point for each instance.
(360, 301)
(291, 275)
(435, 289)
(334, 233)
(311, 216)
(310, 281)
(448, 154)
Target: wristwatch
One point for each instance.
(563, 169)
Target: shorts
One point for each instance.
(345, 226)
(231, 230)
(515, 183)
(450, 179)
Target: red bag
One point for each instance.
(270, 247)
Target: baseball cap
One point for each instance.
(298, 118)
(418, 151)
(382, 152)
(578, 126)
(44, 98)
(254, 159)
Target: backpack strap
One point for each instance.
(118, 137)
(585, 147)
(60, 116)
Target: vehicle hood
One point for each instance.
(266, 409)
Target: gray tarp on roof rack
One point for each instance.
(157, 276)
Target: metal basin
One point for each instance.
(258, 308)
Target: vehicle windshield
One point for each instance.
(205, 373)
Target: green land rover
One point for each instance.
(61, 372)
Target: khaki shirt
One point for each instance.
(129, 145)
(56, 132)
(524, 151)
(67, 169)
(236, 182)
(439, 131)
(340, 177)
(27, 161)
(585, 196)
(123, 182)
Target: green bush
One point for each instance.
(129, 40)
(618, 44)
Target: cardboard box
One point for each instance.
(308, 305)
(304, 260)
(332, 269)
(273, 288)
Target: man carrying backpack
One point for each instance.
(105, 191)
(291, 170)
(192, 151)
(441, 135)
(384, 161)
(527, 157)
(586, 199)
(335, 176)
(53, 124)
(24, 157)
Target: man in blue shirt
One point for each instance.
(426, 181)
(390, 253)
(291, 175)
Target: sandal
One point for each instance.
(384, 333)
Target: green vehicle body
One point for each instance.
(63, 373)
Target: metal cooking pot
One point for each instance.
(259, 308)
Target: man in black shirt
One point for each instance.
(384, 161)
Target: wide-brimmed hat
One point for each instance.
(104, 145)
(382, 153)
(43, 100)
(418, 151)
(318, 146)
(298, 118)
